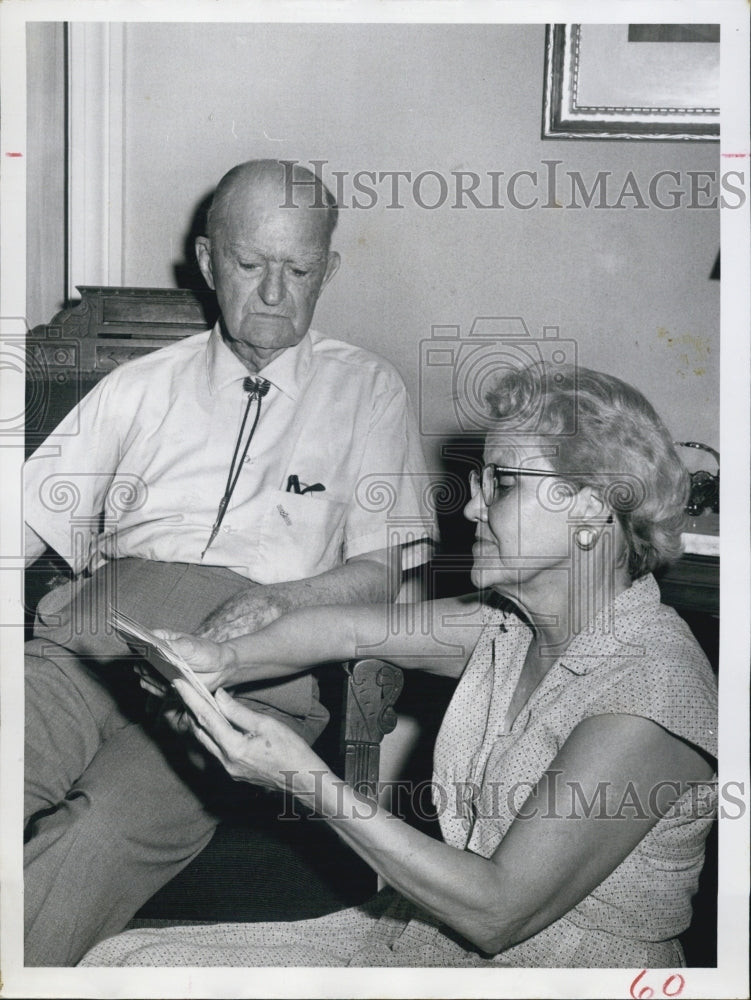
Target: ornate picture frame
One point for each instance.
(630, 81)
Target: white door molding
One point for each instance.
(95, 154)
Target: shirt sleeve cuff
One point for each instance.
(414, 552)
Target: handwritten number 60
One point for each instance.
(672, 987)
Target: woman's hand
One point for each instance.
(251, 746)
(208, 659)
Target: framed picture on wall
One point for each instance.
(632, 81)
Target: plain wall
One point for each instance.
(630, 286)
(46, 177)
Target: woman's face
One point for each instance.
(524, 538)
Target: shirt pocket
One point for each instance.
(301, 536)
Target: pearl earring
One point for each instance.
(586, 538)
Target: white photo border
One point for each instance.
(730, 979)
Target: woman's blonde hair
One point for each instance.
(610, 438)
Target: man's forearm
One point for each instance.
(360, 581)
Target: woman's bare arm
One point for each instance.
(558, 850)
(436, 636)
(548, 860)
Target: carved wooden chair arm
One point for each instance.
(372, 688)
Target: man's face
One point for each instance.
(268, 266)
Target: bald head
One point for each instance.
(267, 254)
(276, 183)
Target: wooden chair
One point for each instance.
(65, 359)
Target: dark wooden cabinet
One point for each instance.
(692, 584)
(692, 587)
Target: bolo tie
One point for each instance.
(256, 389)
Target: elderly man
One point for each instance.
(241, 503)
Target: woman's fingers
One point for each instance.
(202, 655)
(239, 713)
(149, 682)
(232, 737)
(212, 721)
(205, 740)
(177, 718)
(198, 652)
(168, 633)
(152, 687)
(251, 746)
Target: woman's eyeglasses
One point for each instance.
(496, 480)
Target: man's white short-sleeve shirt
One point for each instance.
(151, 446)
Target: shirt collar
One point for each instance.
(286, 372)
(610, 636)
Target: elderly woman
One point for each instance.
(568, 763)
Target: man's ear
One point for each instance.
(332, 266)
(203, 256)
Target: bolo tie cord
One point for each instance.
(256, 389)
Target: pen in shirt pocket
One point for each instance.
(295, 486)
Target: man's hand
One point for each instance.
(247, 612)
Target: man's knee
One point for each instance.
(91, 863)
(59, 684)
(99, 826)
